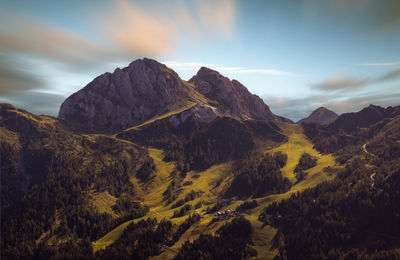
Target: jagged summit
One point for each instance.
(321, 115)
(231, 94)
(146, 89)
(126, 97)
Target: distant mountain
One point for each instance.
(147, 89)
(364, 118)
(321, 116)
(354, 129)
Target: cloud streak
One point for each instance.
(340, 83)
(16, 78)
(382, 64)
(195, 66)
(217, 15)
(32, 36)
(127, 30)
(123, 32)
(375, 16)
(136, 31)
(35, 102)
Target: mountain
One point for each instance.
(364, 118)
(209, 172)
(126, 97)
(353, 129)
(147, 89)
(321, 116)
(231, 95)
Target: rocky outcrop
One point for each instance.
(233, 98)
(126, 97)
(321, 116)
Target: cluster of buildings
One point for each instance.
(226, 213)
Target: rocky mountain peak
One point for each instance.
(146, 89)
(231, 95)
(321, 115)
(128, 96)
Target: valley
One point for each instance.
(205, 182)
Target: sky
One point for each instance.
(296, 55)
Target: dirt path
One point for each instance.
(365, 150)
(372, 177)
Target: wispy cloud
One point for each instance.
(195, 66)
(382, 64)
(136, 31)
(376, 16)
(187, 66)
(340, 82)
(389, 76)
(125, 31)
(242, 70)
(28, 35)
(16, 78)
(36, 102)
(218, 15)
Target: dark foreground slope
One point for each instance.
(48, 175)
(357, 215)
(51, 176)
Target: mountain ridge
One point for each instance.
(147, 89)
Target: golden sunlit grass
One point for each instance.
(153, 198)
(163, 116)
(297, 144)
(104, 202)
(9, 137)
(262, 238)
(110, 237)
(295, 147)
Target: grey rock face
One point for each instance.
(126, 97)
(233, 97)
(146, 89)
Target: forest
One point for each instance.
(351, 217)
(48, 178)
(51, 176)
(259, 175)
